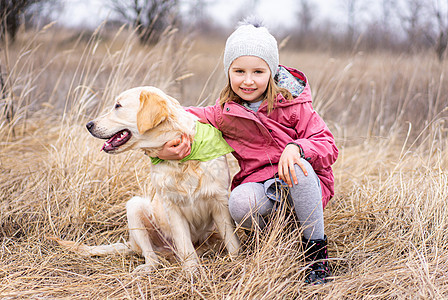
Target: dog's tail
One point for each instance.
(85, 250)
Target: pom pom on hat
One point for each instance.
(253, 39)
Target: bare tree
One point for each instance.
(412, 15)
(306, 16)
(305, 37)
(11, 12)
(352, 9)
(351, 13)
(197, 17)
(441, 39)
(425, 24)
(196, 11)
(387, 9)
(380, 32)
(42, 13)
(149, 17)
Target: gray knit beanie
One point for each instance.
(251, 38)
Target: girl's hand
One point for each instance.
(290, 157)
(175, 149)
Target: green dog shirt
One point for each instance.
(208, 144)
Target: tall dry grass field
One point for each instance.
(387, 225)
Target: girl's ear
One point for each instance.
(153, 110)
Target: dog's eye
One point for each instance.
(117, 106)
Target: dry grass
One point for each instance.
(387, 225)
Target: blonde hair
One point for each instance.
(270, 95)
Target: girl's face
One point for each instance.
(249, 77)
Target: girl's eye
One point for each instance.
(117, 105)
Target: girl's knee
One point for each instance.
(239, 204)
(308, 168)
(310, 179)
(247, 200)
(236, 208)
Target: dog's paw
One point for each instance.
(145, 268)
(190, 266)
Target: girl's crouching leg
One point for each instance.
(248, 205)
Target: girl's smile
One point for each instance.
(249, 77)
(247, 90)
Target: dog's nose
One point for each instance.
(89, 125)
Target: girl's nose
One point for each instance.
(248, 80)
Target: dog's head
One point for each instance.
(140, 118)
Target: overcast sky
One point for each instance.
(275, 13)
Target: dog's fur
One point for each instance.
(188, 198)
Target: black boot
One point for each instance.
(316, 253)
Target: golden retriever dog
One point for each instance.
(189, 198)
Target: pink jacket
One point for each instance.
(259, 139)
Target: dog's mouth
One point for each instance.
(116, 141)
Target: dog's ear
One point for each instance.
(152, 111)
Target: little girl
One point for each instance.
(265, 114)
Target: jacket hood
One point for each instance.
(295, 82)
(290, 79)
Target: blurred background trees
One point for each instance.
(149, 17)
(14, 13)
(367, 25)
(10, 14)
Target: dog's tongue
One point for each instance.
(117, 140)
(108, 146)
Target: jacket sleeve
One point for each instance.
(315, 138)
(207, 115)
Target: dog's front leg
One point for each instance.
(139, 209)
(226, 228)
(181, 235)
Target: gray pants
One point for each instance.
(249, 202)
